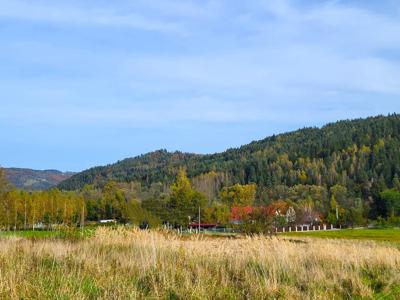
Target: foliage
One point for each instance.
(343, 173)
(218, 213)
(184, 201)
(391, 200)
(239, 195)
(35, 180)
(257, 222)
(350, 160)
(386, 223)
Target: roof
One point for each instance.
(204, 225)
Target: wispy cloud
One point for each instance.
(149, 114)
(78, 15)
(170, 68)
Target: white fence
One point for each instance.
(305, 228)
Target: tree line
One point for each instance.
(178, 204)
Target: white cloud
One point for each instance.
(78, 15)
(148, 114)
(301, 54)
(183, 9)
(77, 76)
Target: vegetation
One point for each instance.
(343, 174)
(69, 233)
(122, 264)
(34, 180)
(24, 210)
(339, 170)
(383, 235)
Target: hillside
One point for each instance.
(148, 168)
(30, 180)
(355, 153)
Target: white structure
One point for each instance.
(107, 221)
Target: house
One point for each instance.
(277, 210)
(203, 226)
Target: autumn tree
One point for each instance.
(184, 200)
(239, 195)
(114, 204)
(217, 212)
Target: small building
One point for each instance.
(108, 221)
(203, 226)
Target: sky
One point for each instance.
(90, 82)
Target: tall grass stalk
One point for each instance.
(133, 264)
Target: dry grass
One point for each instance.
(130, 264)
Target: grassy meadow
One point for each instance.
(133, 264)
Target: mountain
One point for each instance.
(31, 180)
(363, 155)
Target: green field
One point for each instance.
(381, 235)
(45, 234)
(30, 234)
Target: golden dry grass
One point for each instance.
(132, 264)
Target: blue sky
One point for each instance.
(89, 82)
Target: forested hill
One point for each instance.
(152, 167)
(362, 155)
(32, 180)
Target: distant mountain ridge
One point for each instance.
(356, 153)
(33, 180)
